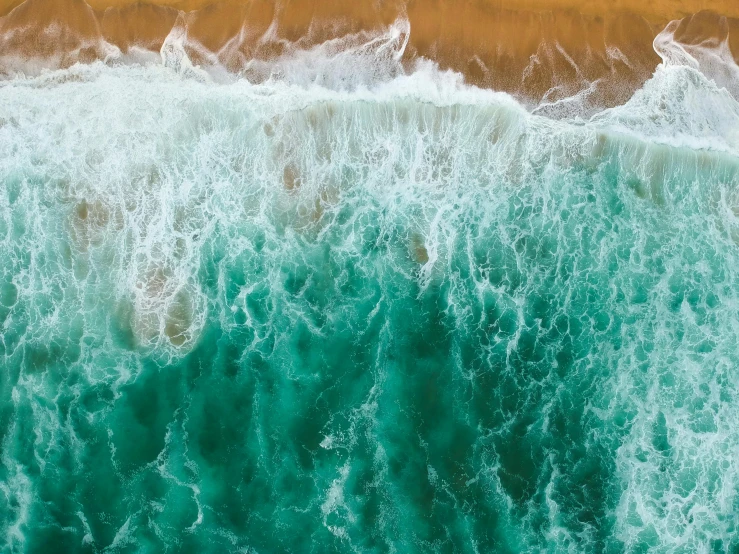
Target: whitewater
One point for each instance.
(351, 306)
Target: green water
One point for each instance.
(244, 319)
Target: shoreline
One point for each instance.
(540, 51)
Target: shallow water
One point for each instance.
(565, 56)
(365, 314)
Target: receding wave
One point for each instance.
(555, 57)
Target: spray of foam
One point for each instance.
(712, 56)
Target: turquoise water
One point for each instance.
(408, 318)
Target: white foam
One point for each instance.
(679, 107)
(712, 57)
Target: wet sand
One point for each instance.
(539, 50)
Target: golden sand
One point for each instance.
(539, 50)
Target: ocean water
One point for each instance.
(369, 310)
